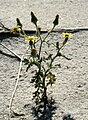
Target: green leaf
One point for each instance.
(59, 54)
(18, 22)
(48, 64)
(58, 65)
(50, 56)
(28, 67)
(33, 18)
(37, 64)
(26, 61)
(66, 57)
(55, 22)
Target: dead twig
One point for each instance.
(11, 51)
(3, 27)
(15, 88)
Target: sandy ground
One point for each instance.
(71, 89)
(73, 13)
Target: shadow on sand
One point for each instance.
(40, 114)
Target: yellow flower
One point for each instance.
(67, 35)
(51, 77)
(16, 29)
(30, 38)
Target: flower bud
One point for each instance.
(33, 52)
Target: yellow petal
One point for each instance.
(30, 38)
(66, 34)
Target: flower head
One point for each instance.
(51, 77)
(67, 35)
(16, 29)
(33, 52)
(30, 38)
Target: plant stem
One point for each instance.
(40, 39)
(45, 92)
(48, 33)
(44, 40)
(44, 83)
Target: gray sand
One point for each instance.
(71, 89)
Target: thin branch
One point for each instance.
(5, 28)
(44, 40)
(11, 51)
